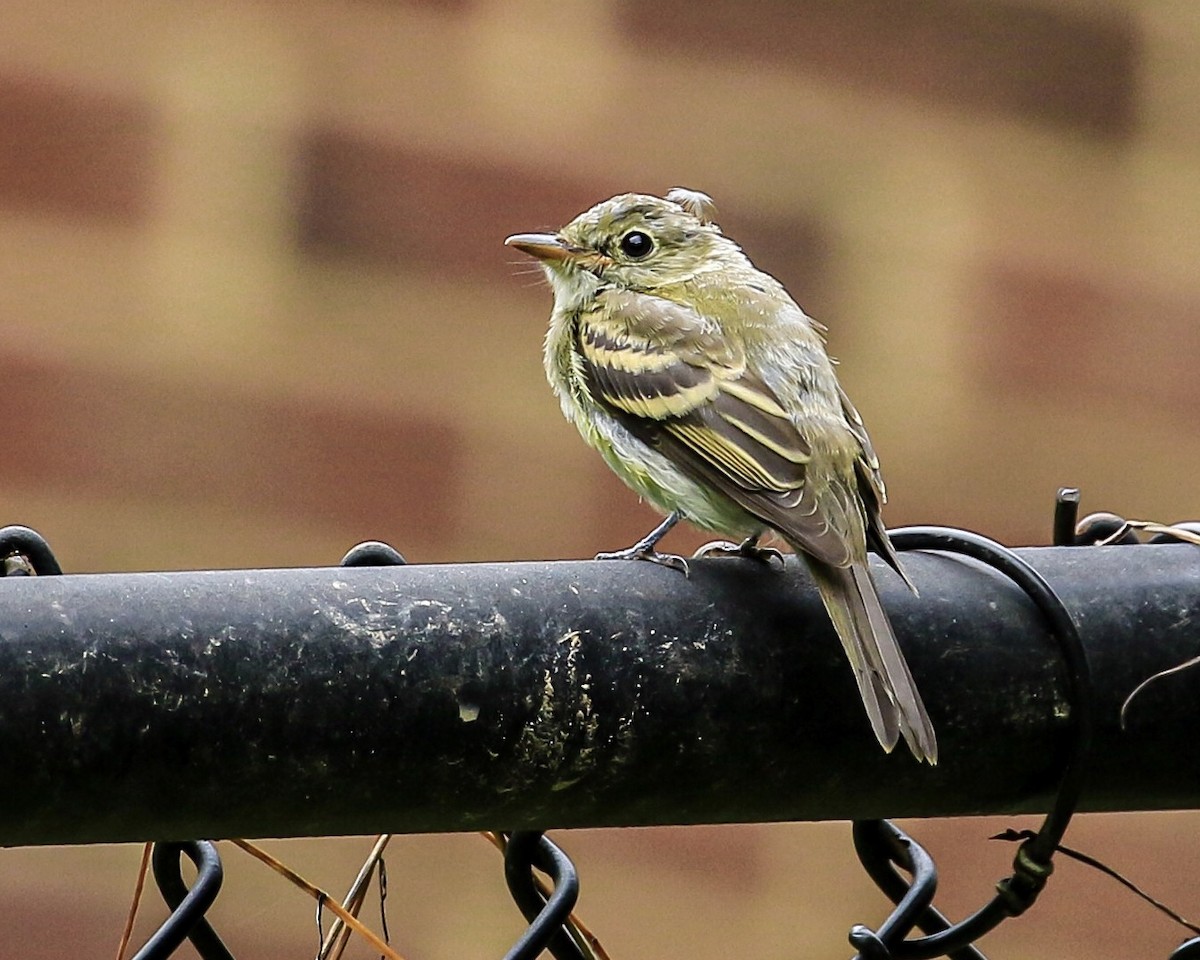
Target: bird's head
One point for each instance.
(633, 241)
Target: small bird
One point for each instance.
(708, 391)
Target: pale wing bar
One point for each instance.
(684, 393)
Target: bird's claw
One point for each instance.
(720, 548)
(640, 552)
(748, 549)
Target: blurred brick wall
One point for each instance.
(254, 306)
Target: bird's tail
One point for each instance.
(884, 681)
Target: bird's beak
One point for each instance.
(545, 246)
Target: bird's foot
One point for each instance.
(644, 548)
(748, 549)
(644, 551)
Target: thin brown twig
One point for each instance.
(320, 896)
(339, 933)
(127, 934)
(338, 937)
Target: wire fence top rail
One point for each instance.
(325, 701)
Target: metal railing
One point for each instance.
(301, 702)
(381, 697)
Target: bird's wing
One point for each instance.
(868, 462)
(871, 489)
(670, 377)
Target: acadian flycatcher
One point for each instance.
(708, 391)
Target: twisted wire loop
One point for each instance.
(1188, 950)
(188, 906)
(880, 844)
(25, 552)
(372, 553)
(546, 916)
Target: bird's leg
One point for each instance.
(644, 548)
(748, 548)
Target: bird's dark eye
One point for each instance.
(636, 245)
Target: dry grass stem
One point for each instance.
(321, 897)
(339, 934)
(127, 935)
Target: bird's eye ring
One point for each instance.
(637, 245)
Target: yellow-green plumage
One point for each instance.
(708, 391)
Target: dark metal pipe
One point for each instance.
(529, 696)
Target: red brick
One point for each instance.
(1065, 67)
(1069, 335)
(72, 429)
(72, 152)
(373, 200)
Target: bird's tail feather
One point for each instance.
(888, 692)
